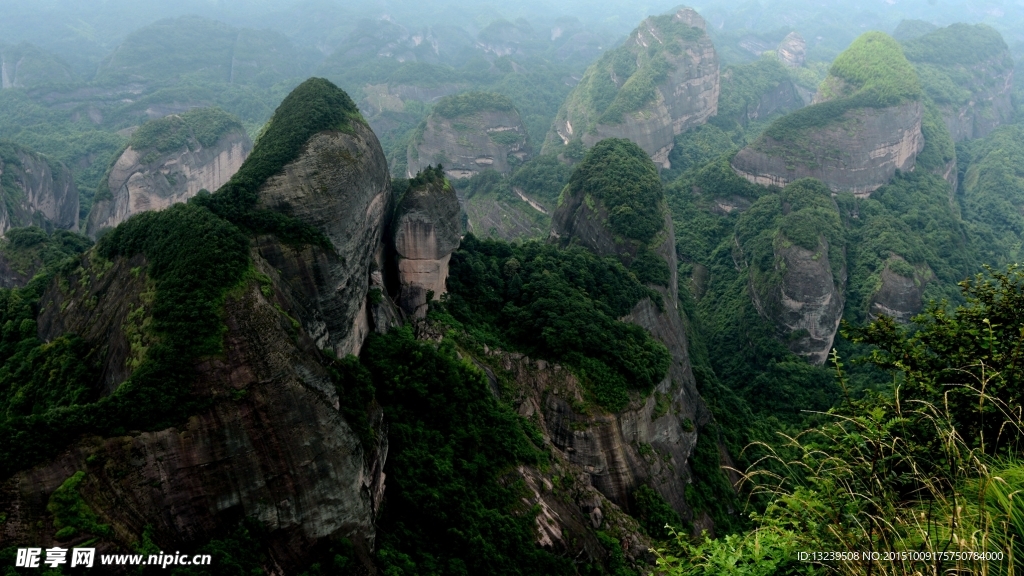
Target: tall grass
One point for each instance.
(890, 483)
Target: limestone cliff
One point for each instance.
(865, 125)
(469, 133)
(36, 191)
(967, 70)
(584, 217)
(663, 81)
(426, 230)
(154, 173)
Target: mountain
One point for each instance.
(36, 191)
(467, 134)
(865, 125)
(661, 82)
(427, 229)
(198, 49)
(194, 381)
(169, 161)
(614, 207)
(26, 66)
(968, 72)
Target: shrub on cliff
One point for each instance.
(622, 177)
(471, 103)
(203, 125)
(558, 304)
(871, 73)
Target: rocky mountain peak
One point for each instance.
(865, 125)
(615, 98)
(792, 50)
(167, 161)
(427, 229)
(469, 133)
(614, 205)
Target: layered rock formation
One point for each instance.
(607, 448)
(267, 439)
(612, 101)
(306, 476)
(792, 50)
(796, 266)
(469, 133)
(36, 191)
(426, 230)
(152, 175)
(968, 72)
(859, 153)
(865, 126)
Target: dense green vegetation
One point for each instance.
(471, 103)
(314, 106)
(742, 89)
(871, 73)
(625, 79)
(963, 44)
(927, 465)
(194, 258)
(451, 506)
(542, 178)
(993, 193)
(194, 255)
(620, 175)
(29, 250)
(558, 304)
(203, 125)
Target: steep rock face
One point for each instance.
(865, 125)
(584, 220)
(783, 97)
(968, 71)
(899, 296)
(271, 445)
(859, 153)
(426, 230)
(685, 70)
(600, 462)
(467, 134)
(807, 302)
(36, 191)
(792, 50)
(340, 186)
(146, 179)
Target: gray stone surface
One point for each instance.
(466, 144)
(44, 193)
(141, 180)
(859, 152)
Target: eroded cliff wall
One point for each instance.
(427, 229)
(36, 191)
(147, 179)
(678, 55)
